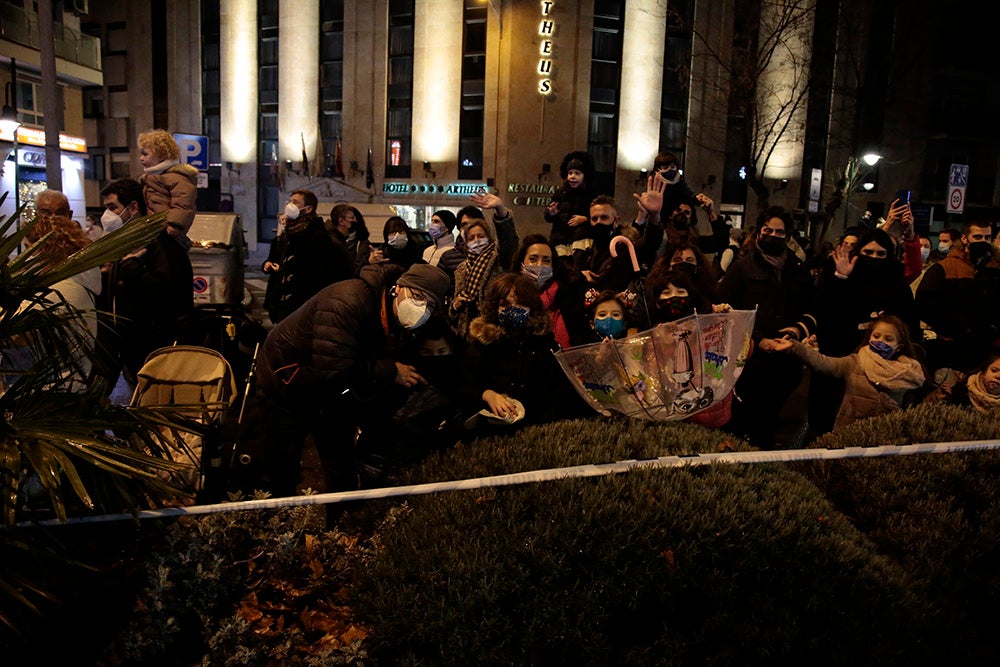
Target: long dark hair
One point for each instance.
(560, 272)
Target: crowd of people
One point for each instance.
(425, 345)
(385, 347)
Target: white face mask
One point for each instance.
(111, 221)
(944, 247)
(412, 313)
(292, 211)
(925, 253)
(397, 240)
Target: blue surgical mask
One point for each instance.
(883, 350)
(609, 327)
(514, 317)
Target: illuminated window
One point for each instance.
(399, 112)
(605, 82)
(676, 70)
(269, 197)
(331, 93)
(471, 121)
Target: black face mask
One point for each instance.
(437, 370)
(980, 252)
(686, 267)
(772, 245)
(674, 308)
(872, 264)
(680, 221)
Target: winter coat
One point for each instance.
(310, 261)
(962, 303)
(334, 344)
(151, 293)
(846, 307)
(862, 398)
(174, 190)
(520, 365)
(782, 298)
(570, 202)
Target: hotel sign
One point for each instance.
(453, 189)
(546, 29)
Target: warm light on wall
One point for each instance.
(238, 85)
(298, 78)
(437, 80)
(781, 83)
(642, 84)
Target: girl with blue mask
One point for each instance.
(609, 316)
(877, 377)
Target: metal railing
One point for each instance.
(21, 26)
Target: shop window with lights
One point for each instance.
(399, 111)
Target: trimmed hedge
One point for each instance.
(937, 517)
(721, 565)
(874, 561)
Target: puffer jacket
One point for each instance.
(175, 190)
(520, 365)
(331, 345)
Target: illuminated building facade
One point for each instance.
(450, 95)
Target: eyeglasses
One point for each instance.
(771, 231)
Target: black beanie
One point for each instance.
(448, 218)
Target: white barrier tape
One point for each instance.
(587, 470)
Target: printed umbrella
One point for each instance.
(666, 373)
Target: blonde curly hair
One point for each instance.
(160, 143)
(67, 236)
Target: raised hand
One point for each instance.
(843, 260)
(484, 200)
(577, 220)
(652, 199)
(704, 201)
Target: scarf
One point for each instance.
(980, 398)
(899, 373)
(161, 167)
(777, 262)
(479, 270)
(297, 226)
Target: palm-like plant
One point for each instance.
(84, 452)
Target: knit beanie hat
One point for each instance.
(428, 279)
(448, 218)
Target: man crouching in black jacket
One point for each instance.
(320, 365)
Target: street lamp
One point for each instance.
(10, 123)
(870, 159)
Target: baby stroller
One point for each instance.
(199, 384)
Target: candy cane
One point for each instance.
(631, 250)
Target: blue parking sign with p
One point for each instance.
(194, 150)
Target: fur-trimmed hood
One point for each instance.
(480, 330)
